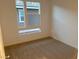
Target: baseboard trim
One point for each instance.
(65, 43)
(44, 38)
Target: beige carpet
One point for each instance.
(47, 48)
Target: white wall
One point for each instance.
(58, 15)
(9, 23)
(64, 21)
(2, 54)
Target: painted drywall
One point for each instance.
(9, 23)
(64, 21)
(2, 54)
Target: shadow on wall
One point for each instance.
(71, 5)
(64, 18)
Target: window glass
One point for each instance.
(33, 11)
(20, 13)
(28, 14)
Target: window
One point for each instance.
(33, 12)
(28, 14)
(20, 13)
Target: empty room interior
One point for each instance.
(39, 29)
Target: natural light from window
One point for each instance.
(28, 15)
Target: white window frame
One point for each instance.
(26, 19)
(20, 17)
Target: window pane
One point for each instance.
(28, 14)
(20, 13)
(33, 12)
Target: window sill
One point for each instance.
(29, 31)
